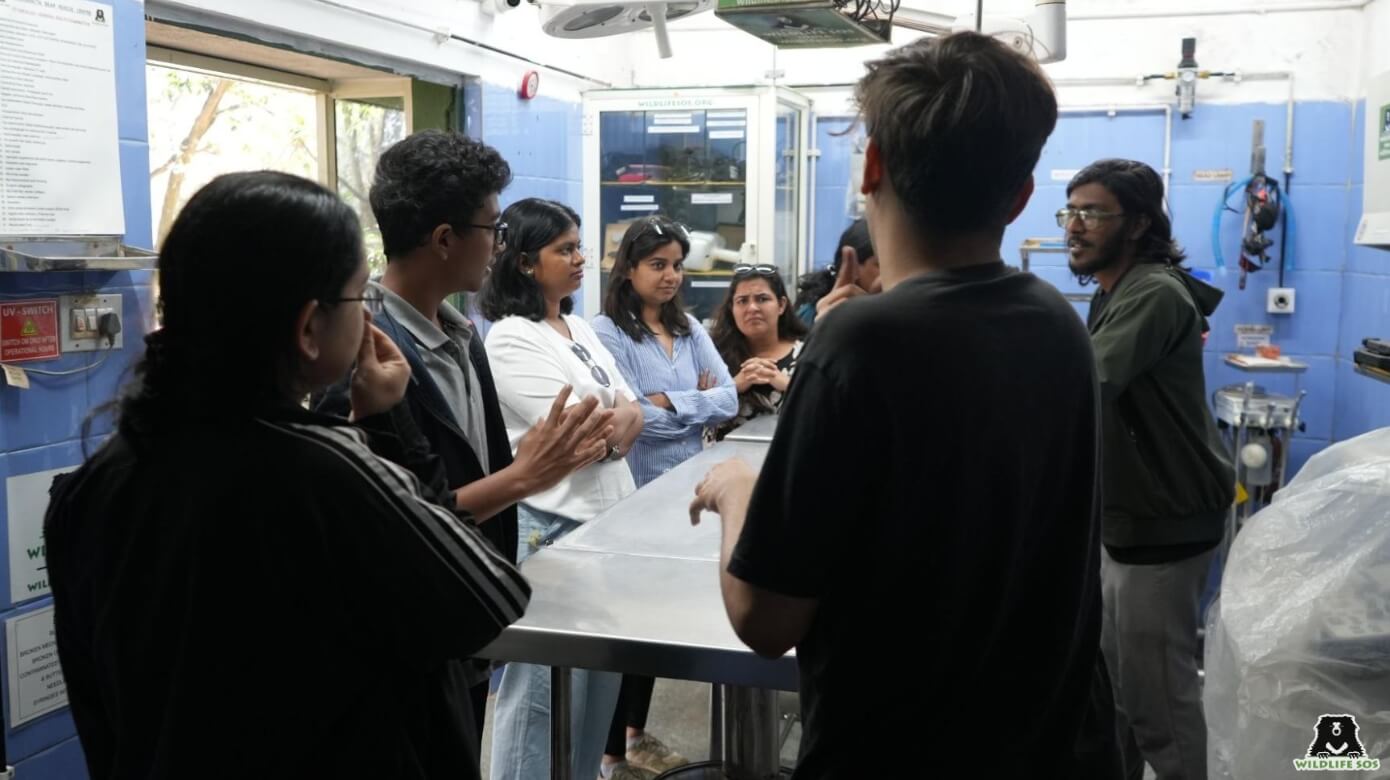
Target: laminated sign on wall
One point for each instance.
(60, 162)
(29, 330)
(26, 501)
(36, 680)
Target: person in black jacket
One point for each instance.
(1168, 479)
(434, 196)
(241, 585)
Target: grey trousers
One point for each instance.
(1149, 638)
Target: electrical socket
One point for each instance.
(1281, 300)
(79, 320)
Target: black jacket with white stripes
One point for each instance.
(269, 598)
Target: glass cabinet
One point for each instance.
(728, 164)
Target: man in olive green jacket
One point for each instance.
(1167, 479)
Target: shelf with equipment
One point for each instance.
(728, 164)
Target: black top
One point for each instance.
(759, 399)
(933, 486)
(267, 596)
(435, 417)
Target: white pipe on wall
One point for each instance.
(1220, 10)
(1273, 75)
(1167, 110)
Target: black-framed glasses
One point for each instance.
(744, 269)
(1091, 218)
(371, 299)
(595, 369)
(500, 231)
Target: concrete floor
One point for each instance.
(680, 717)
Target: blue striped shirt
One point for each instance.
(670, 437)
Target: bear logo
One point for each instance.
(1336, 736)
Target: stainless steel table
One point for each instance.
(759, 428)
(593, 606)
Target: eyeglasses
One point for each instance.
(743, 269)
(371, 299)
(595, 370)
(500, 231)
(1090, 218)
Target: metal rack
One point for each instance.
(1048, 246)
(72, 253)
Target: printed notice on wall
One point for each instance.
(1219, 175)
(711, 198)
(59, 156)
(37, 686)
(1250, 336)
(25, 502)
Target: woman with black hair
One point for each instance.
(759, 338)
(683, 387)
(853, 272)
(239, 582)
(537, 349)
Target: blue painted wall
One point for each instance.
(39, 428)
(1343, 290)
(542, 140)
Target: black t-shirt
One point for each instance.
(933, 486)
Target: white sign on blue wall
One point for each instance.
(37, 686)
(26, 501)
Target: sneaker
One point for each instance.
(651, 753)
(626, 771)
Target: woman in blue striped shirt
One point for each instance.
(683, 386)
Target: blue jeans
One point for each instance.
(521, 720)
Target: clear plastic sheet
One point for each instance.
(1302, 625)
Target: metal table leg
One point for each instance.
(751, 749)
(716, 722)
(560, 697)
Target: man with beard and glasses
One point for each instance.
(1167, 479)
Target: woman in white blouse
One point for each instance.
(537, 348)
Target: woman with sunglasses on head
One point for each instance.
(759, 337)
(537, 348)
(683, 387)
(226, 548)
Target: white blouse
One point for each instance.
(531, 362)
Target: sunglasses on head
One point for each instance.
(743, 269)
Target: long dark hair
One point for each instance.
(307, 243)
(621, 303)
(532, 224)
(818, 284)
(1139, 189)
(730, 341)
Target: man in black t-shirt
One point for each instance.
(935, 561)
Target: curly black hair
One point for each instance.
(432, 178)
(1140, 191)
